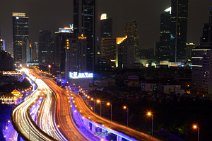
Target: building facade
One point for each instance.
(132, 42)
(2, 44)
(179, 18)
(62, 47)
(105, 26)
(106, 61)
(164, 51)
(35, 51)
(20, 36)
(45, 47)
(84, 23)
(202, 62)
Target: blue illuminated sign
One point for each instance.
(76, 75)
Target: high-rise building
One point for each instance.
(108, 51)
(20, 36)
(84, 23)
(189, 47)
(35, 46)
(129, 49)
(46, 47)
(2, 44)
(62, 46)
(106, 60)
(173, 32)
(164, 46)
(105, 26)
(179, 18)
(122, 53)
(28, 52)
(202, 62)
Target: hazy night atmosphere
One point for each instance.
(88, 70)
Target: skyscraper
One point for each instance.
(20, 36)
(179, 18)
(45, 47)
(107, 44)
(62, 44)
(164, 45)
(84, 23)
(132, 46)
(2, 44)
(105, 26)
(35, 52)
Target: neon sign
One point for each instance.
(76, 75)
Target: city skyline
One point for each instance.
(52, 19)
(83, 70)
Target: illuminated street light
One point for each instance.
(92, 99)
(150, 114)
(49, 66)
(196, 127)
(111, 110)
(127, 110)
(100, 110)
(98, 101)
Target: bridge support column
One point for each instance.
(93, 129)
(119, 138)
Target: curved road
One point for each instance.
(89, 114)
(63, 116)
(23, 122)
(46, 115)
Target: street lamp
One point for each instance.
(196, 127)
(111, 110)
(92, 99)
(150, 114)
(49, 66)
(127, 110)
(99, 102)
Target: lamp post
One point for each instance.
(49, 66)
(100, 110)
(92, 99)
(127, 110)
(196, 127)
(111, 110)
(150, 114)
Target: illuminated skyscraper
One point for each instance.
(122, 53)
(62, 44)
(179, 18)
(164, 46)
(84, 23)
(107, 44)
(105, 26)
(20, 36)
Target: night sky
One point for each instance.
(52, 14)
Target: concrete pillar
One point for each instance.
(119, 138)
